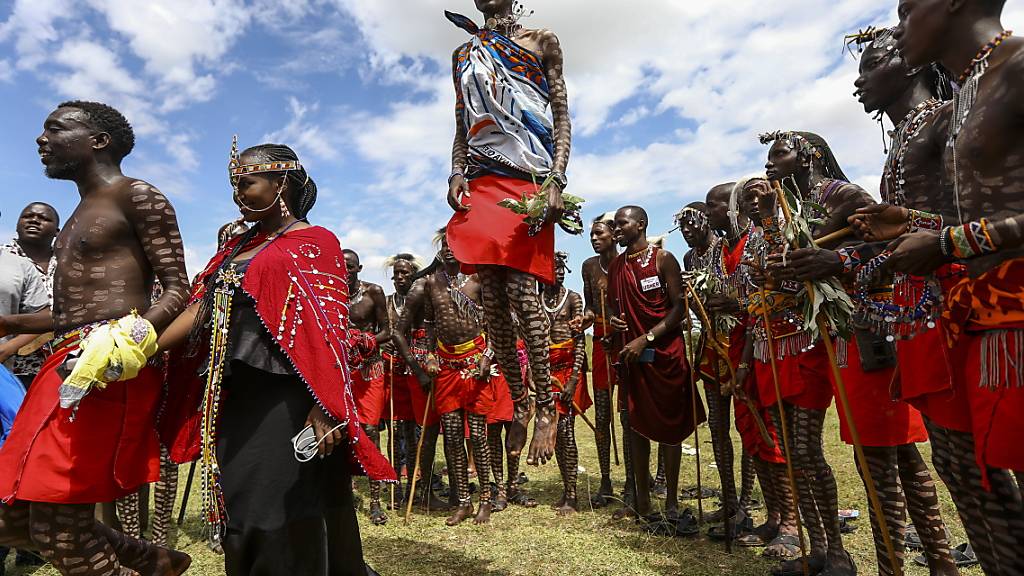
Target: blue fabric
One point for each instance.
(11, 395)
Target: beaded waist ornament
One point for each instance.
(910, 308)
(214, 509)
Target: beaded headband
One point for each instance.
(562, 261)
(794, 139)
(692, 216)
(872, 37)
(236, 168)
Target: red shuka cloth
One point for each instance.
(562, 360)
(750, 435)
(307, 264)
(659, 393)
(997, 413)
(881, 420)
(503, 408)
(490, 234)
(371, 395)
(456, 387)
(927, 382)
(396, 389)
(106, 452)
(805, 379)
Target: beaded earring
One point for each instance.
(285, 212)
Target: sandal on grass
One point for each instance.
(795, 567)
(783, 547)
(963, 555)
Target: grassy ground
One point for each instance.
(535, 542)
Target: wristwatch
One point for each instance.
(650, 336)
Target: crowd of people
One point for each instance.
(277, 368)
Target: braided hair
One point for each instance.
(300, 188)
(938, 79)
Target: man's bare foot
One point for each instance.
(568, 507)
(461, 513)
(377, 516)
(483, 516)
(559, 503)
(545, 429)
(515, 438)
(171, 562)
(434, 503)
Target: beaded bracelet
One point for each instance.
(918, 220)
(850, 257)
(969, 240)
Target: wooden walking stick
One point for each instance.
(416, 466)
(858, 448)
(693, 406)
(785, 429)
(611, 382)
(391, 432)
(724, 355)
(184, 496)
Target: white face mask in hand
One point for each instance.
(305, 443)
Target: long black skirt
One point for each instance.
(284, 517)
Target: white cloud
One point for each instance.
(304, 134)
(6, 71)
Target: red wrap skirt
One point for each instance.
(370, 393)
(928, 381)
(804, 378)
(881, 420)
(105, 453)
(750, 436)
(997, 412)
(397, 388)
(490, 234)
(562, 358)
(502, 410)
(456, 387)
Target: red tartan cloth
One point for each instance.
(805, 379)
(490, 234)
(750, 435)
(881, 420)
(561, 370)
(455, 388)
(308, 265)
(660, 393)
(105, 453)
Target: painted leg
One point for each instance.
(568, 463)
(721, 445)
(747, 476)
(801, 435)
(497, 450)
(524, 299)
(628, 509)
(482, 457)
(658, 482)
(377, 515)
(883, 462)
(923, 506)
(66, 537)
(14, 530)
(822, 484)
(950, 470)
(502, 335)
(603, 439)
(164, 493)
(128, 512)
(458, 466)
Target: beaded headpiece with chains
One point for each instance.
(692, 216)
(236, 168)
(795, 140)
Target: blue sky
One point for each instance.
(667, 99)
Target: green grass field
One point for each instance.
(534, 542)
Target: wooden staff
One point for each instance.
(858, 448)
(35, 344)
(724, 355)
(611, 382)
(391, 432)
(184, 497)
(419, 451)
(837, 235)
(785, 429)
(693, 406)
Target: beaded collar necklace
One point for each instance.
(905, 131)
(563, 296)
(963, 102)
